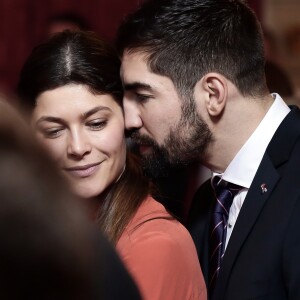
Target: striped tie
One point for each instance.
(224, 193)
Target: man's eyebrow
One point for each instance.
(137, 85)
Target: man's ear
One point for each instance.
(215, 90)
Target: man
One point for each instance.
(195, 90)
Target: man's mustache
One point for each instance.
(142, 139)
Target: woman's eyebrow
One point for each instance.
(94, 110)
(49, 119)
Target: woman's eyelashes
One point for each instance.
(52, 132)
(97, 124)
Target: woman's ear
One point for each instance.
(215, 90)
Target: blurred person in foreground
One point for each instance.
(72, 87)
(49, 248)
(195, 90)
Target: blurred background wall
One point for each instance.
(282, 19)
(23, 24)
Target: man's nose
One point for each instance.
(133, 118)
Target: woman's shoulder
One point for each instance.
(153, 224)
(154, 240)
(152, 213)
(150, 209)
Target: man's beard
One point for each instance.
(186, 143)
(155, 164)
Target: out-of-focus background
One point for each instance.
(281, 20)
(25, 23)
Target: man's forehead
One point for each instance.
(135, 69)
(136, 74)
(134, 60)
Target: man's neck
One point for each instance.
(240, 119)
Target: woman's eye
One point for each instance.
(97, 124)
(52, 133)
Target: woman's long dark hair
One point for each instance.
(77, 57)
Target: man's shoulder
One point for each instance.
(286, 137)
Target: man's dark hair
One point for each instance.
(186, 39)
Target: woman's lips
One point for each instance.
(83, 171)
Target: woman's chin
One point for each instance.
(87, 193)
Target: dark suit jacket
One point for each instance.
(262, 259)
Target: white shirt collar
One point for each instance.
(243, 167)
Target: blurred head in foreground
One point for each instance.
(47, 248)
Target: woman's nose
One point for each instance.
(79, 144)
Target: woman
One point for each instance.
(72, 86)
(35, 205)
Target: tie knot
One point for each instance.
(225, 192)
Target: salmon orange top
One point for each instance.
(160, 254)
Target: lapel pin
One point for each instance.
(263, 188)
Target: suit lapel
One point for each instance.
(249, 213)
(268, 174)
